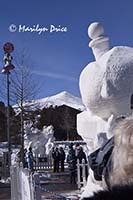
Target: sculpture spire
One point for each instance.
(99, 42)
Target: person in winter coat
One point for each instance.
(81, 155)
(56, 158)
(30, 159)
(71, 159)
(62, 159)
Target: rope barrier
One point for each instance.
(51, 192)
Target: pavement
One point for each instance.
(58, 186)
(55, 186)
(5, 191)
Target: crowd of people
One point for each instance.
(59, 157)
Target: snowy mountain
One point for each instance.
(63, 98)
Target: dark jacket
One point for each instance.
(56, 155)
(81, 155)
(62, 155)
(119, 192)
(71, 159)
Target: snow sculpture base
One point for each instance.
(91, 186)
(89, 126)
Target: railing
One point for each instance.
(23, 184)
(82, 173)
(26, 186)
(43, 163)
(46, 163)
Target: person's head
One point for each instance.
(77, 146)
(30, 148)
(122, 156)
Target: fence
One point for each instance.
(26, 186)
(23, 184)
(46, 163)
(82, 173)
(43, 163)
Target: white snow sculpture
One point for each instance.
(41, 141)
(105, 85)
(50, 140)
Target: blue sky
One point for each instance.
(57, 59)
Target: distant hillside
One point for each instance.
(59, 110)
(63, 98)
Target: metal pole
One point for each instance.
(8, 121)
(8, 48)
(22, 136)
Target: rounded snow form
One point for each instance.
(99, 42)
(95, 30)
(106, 84)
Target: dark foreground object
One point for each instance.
(116, 193)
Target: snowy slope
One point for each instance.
(63, 98)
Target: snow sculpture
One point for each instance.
(41, 141)
(105, 86)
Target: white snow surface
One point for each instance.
(106, 90)
(106, 84)
(63, 98)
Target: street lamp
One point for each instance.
(8, 48)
